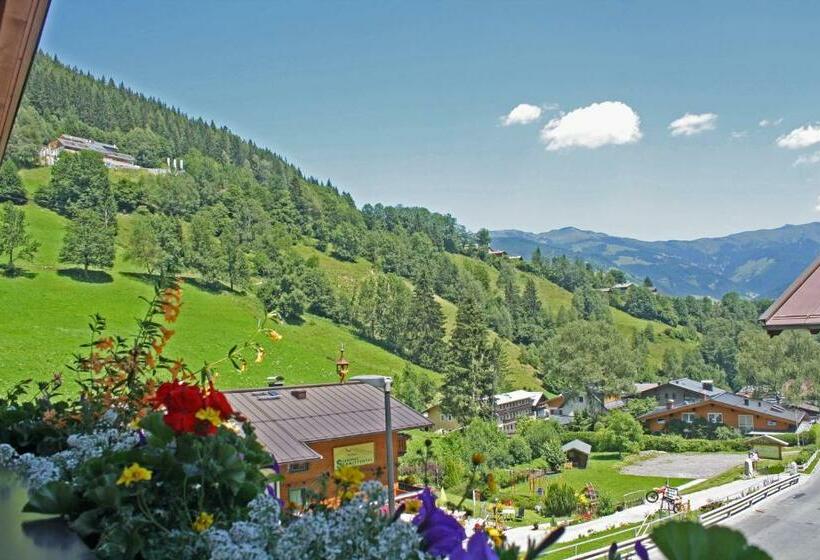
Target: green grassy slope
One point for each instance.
(45, 315)
(554, 296)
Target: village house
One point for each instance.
(441, 421)
(744, 413)
(312, 430)
(563, 408)
(112, 157)
(512, 406)
(680, 391)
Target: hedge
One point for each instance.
(669, 443)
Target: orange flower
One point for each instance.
(158, 346)
(170, 311)
(166, 334)
(105, 344)
(150, 361)
(175, 368)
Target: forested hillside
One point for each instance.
(253, 235)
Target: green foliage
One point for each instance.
(415, 388)
(560, 500)
(554, 455)
(88, 241)
(591, 305)
(147, 147)
(520, 450)
(15, 240)
(345, 240)
(11, 186)
(621, 432)
(588, 356)
(687, 540)
(79, 182)
(640, 406)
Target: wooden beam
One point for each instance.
(21, 23)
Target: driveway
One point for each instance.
(686, 465)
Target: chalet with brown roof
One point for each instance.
(680, 391)
(798, 307)
(739, 412)
(311, 430)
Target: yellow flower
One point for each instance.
(477, 458)
(202, 522)
(260, 355)
(348, 476)
(132, 474)
(491, 484)
(495, 535)
(274, 336)
(210, 415)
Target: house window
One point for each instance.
(745, 422)
(297, 496)
(298, 467)
(580, 399)
(661, 421)
(715, 417)
(688, 417)
(771, 423)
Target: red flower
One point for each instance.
(217, 400)
(180, 422)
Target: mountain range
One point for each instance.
(759, 263)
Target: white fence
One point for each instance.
(627, 548)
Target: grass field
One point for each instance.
(604, 473)
(45, 316)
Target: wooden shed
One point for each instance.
(577, 452)
(767, 447)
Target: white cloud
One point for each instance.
(766, 123)
(817, 207)
(802, 137)
(808, 159)
(593, 126)
(738, 134)
(690, 124)
(522, 114)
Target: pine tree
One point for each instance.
(425, 329)
(11, 186)
(469, 381)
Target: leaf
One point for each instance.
(88, 522)
(55, 497)
(159, 433)
(687, 540)
(105, 496)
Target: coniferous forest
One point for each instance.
(234, 218)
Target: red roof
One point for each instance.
(799, 306)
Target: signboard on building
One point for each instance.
(354, 455)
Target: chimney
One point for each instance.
(707, 384)
(299, 394)
(670, 403)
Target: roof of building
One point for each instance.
(577, 445)
(799, 305)
(518, 395)
(641, 387)
(767, 438)
(77, 143)
(285, 424)
(736, 401)
(614, 405)
(690, 385)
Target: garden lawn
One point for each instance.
(603, 472)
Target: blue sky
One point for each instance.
(403, 102)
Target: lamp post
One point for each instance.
(385, 384)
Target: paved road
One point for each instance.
(786, 526)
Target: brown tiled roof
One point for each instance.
(799, 305)
(286, 424)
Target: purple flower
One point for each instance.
(440, 532)
(478, 548)
(141, 434)
(275, 467)
(641, 551)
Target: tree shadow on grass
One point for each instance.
(18, 273)
(210, 287)
(89, 277)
